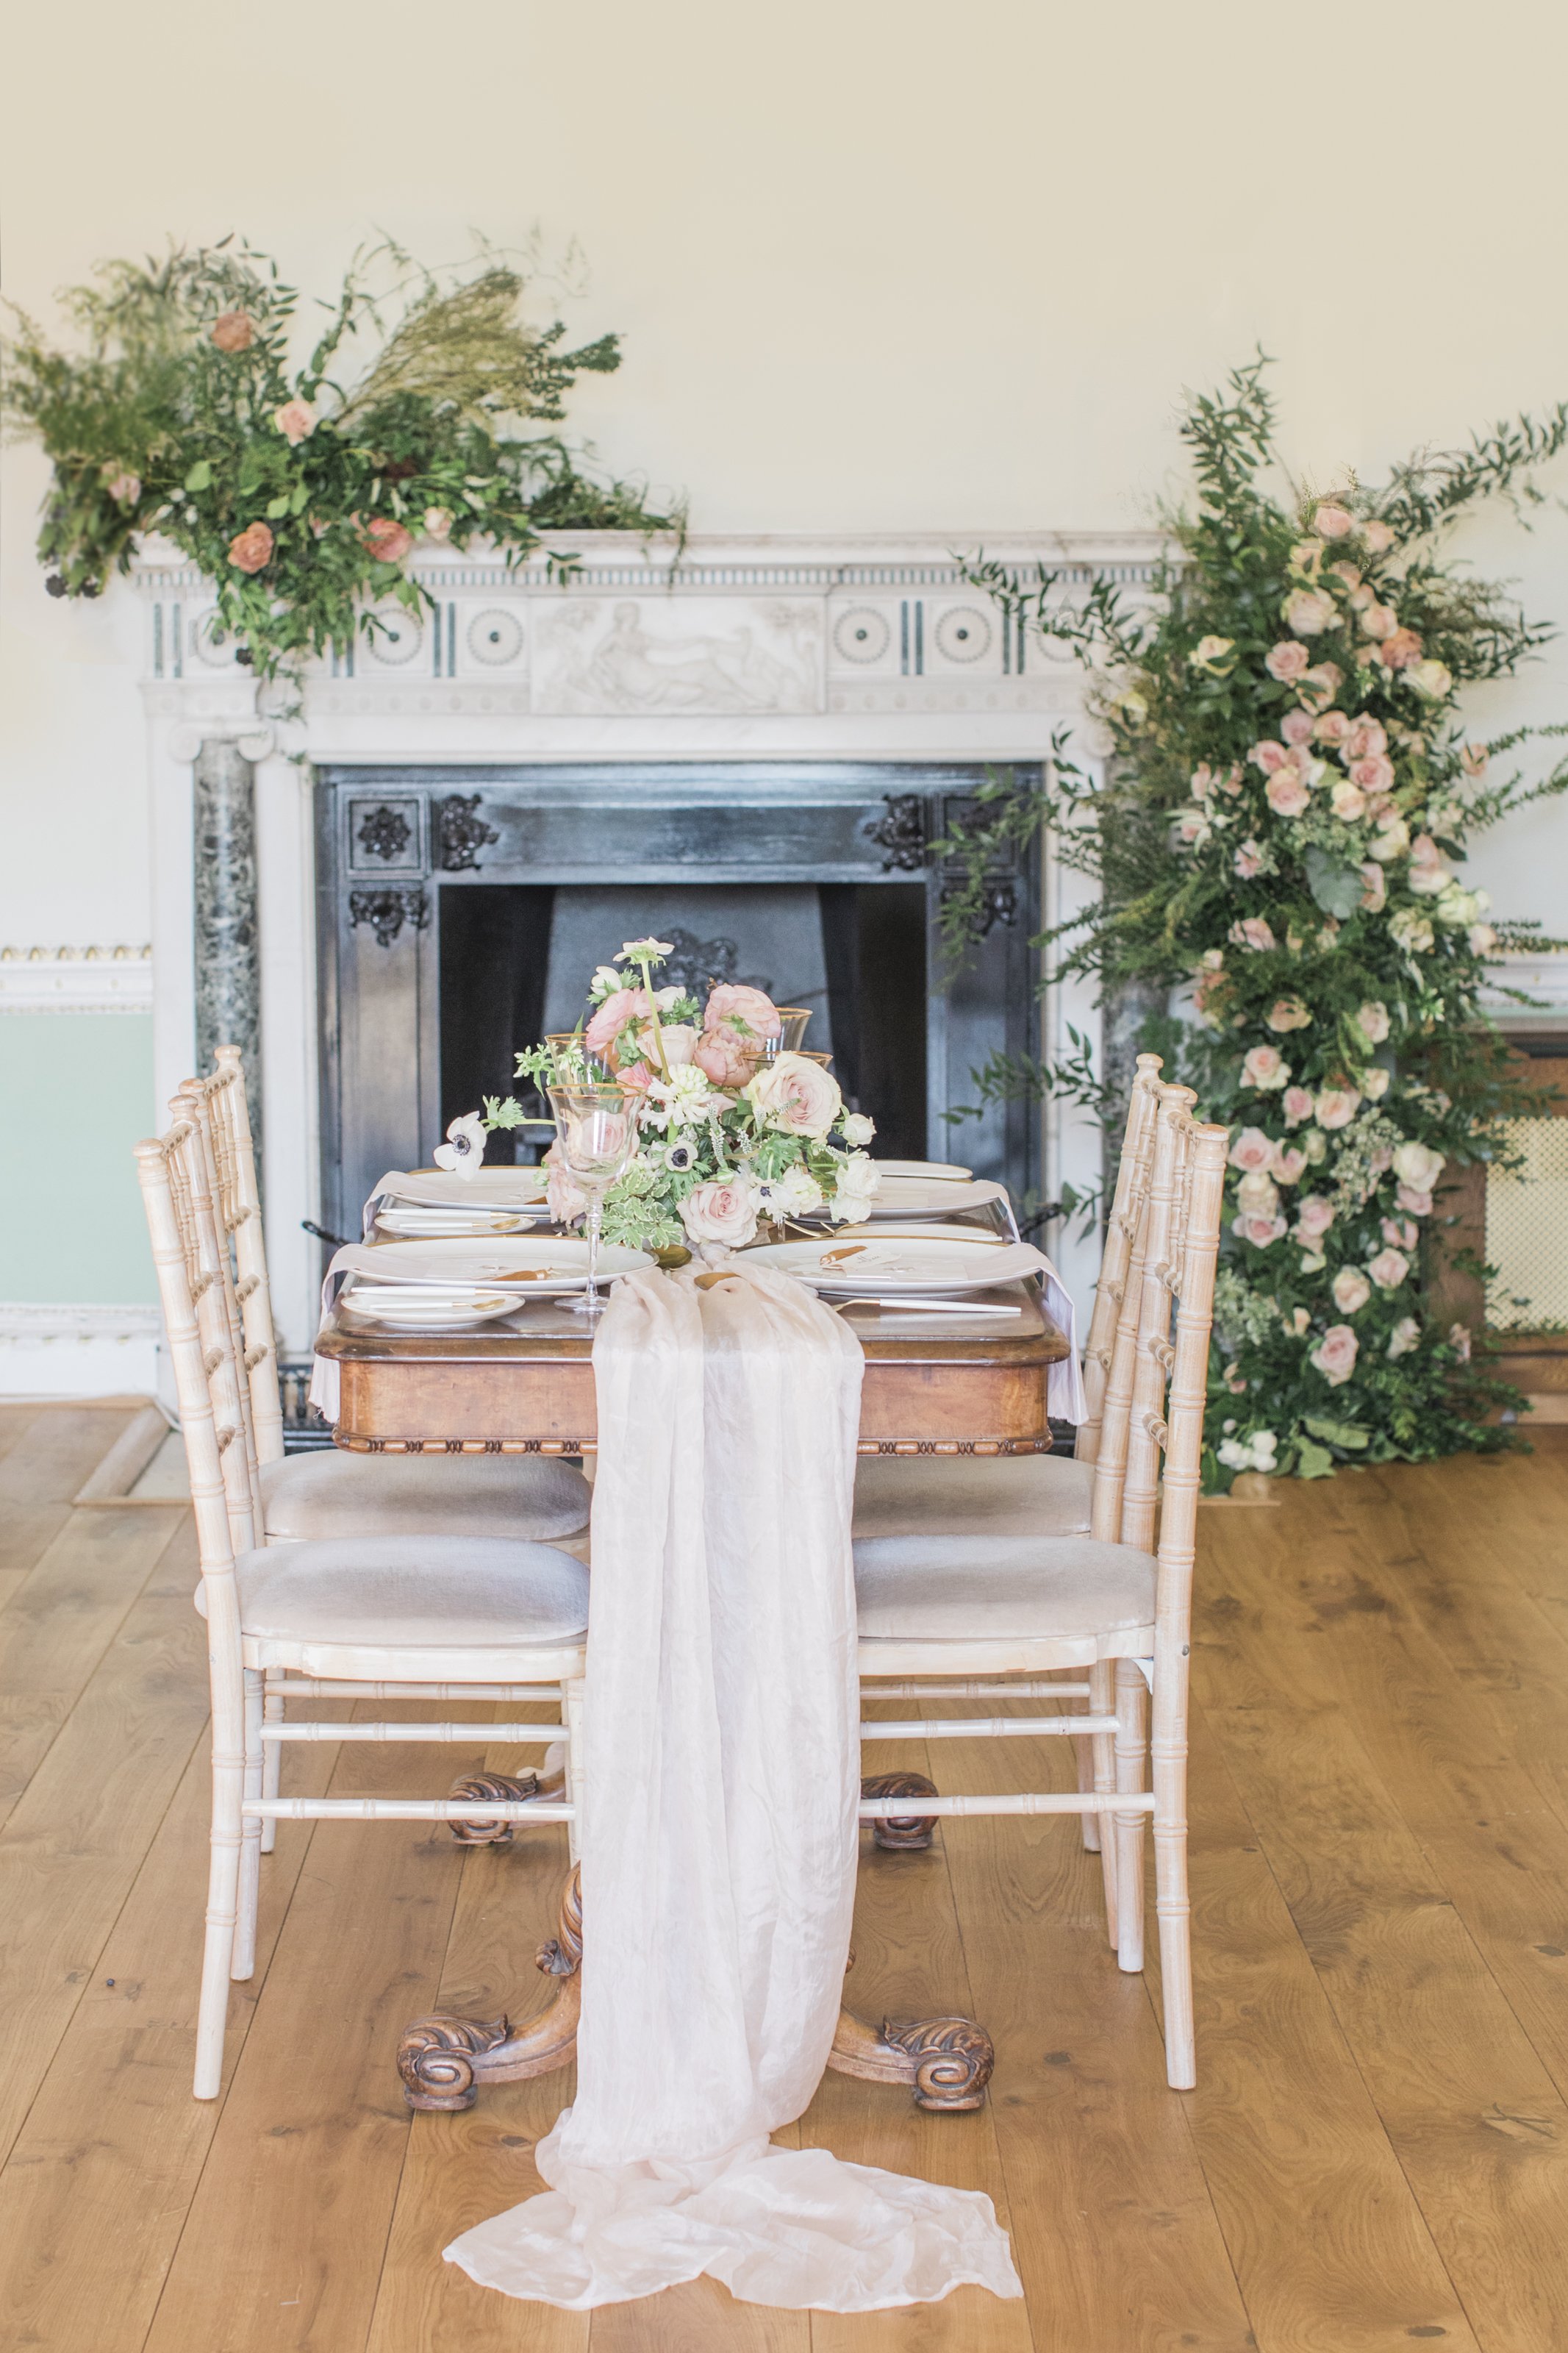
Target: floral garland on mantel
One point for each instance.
(299, 495)
(1287, 804)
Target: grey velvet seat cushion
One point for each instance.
(963, 1494)
(953, 1588)
(454, 1592)
(525, 1498)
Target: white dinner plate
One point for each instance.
(531, 1269)
(948, 1171)
(434, 1225)
(929, 1196)
(446, 1189)
(425, 1310)
(903, 1266)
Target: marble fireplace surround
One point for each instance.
(778, 647)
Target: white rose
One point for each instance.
(857, 1128)
(1257, 1194)
(860, 1180)
(680, 1038)
(1418, 1166)
(1374, 1083)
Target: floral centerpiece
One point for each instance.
(729, 1130)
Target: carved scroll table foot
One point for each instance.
(901, 1834)
(444, 2059)
(517, 1788)
(948, 2061)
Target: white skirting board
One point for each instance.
(78, 1350)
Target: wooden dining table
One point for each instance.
(523, 1383)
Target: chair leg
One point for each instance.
(1101, 1703)
(1083, 1747)
(572, 1717)
(1171, 1903)
(242, 1963)
(1130, 1735)
(223, 1895)
(271, 1766)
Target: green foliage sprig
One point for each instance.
(300, 490)
(1278, 837)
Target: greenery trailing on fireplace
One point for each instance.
(300, 489)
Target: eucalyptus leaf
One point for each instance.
(1337, 888)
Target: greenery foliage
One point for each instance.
(300, 490)
(1277, 835)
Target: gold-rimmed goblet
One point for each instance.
(596, 1125)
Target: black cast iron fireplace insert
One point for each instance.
(461, 910)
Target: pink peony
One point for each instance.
(1332, 727)
(796, 1094)
(1289, 1165)
(1337, 1106)
(1335, 1354)
(1286, 794)
(1364, 739)
(1307, 612)
(1255, 932)
(387, 541)
(1374, 889)
(1348, 801)
(249, 549)
(1287, 660)
(1265, 1068)
(1251, 1150)
(1297, 727)
(1297, 1106)
(1419, 1205)
(1398, 651)
(1314, 1215)
(1331, 521)
(1261, 1231)
(1379, 620)
(621, 1007)
(723, 1211)
(234, 331)
(1388, 1268)
(296, 420)
(746, 1012)
(563, 1197)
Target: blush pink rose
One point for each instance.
(1247, 861)
(621, 1007)
(1286, 794)
(1374, 888)
(388, 541)
(1297, 727)
(746, 1011)
(1388, 1268)
(1314, 1215)
(722, 1213)
(1407, 1197)
(796, 1094)
(1289, 1165)
(1251, 1150)
(1364, 739)
(1401, 1233)
(1379, 620)
(1287, 660)
(1350, 1289)
(1268, 756)
(1307, 612)
(1191, 825)
(1348, 801)
(1320, 684)
(1332, 728)
(1378, 536)
(1265, 1068)
(296, 420)
(1337, 1106)
(1297, 1106)
(1288, 1013)
(1399, 651)
(563, 1197)
(1335, 1354)
(249, 549)
(1256, 933)
(1331, 521)
(1262, 1232)
(234, 331)
(1374, 775)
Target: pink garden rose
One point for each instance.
(1307, 612)
(1405, 1337)
(296, 420)
(1289, 1165)
(1348, 801)
(388, 541)
(1350, 1289)
(1297, 727)
(234, 331)
(1331, 521)
(1407, 1197)
(1247, 861)
(1286, 794)
(722, 1213)
(1416, 1163)
(1252, 1149)
(1374, 774)
(1270, 757)
(1265, 1068)
(796, 1094)
(1287, 660)
(746, 1012)
(1262, 1232)
(1255, 932)
(1388, 1268)
(1378, 620)
(1374, 889)
(1335, 1354)
(1337, 1106)
(1378, 536)
(1364, 739)
(1320, 684)
(1297, 1106)
(1401, 1233)
(1400, 651)
(249, 549)
(563, 1197)
(1371, 1020)
(1288, 1013)
(1314, 1215)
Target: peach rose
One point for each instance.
(296, 420)
(249, 549)
(388, 541)
(1297, 727)
(1286, 794)
(1337, 1106)
(1265, 1068)
(1398, 651)
(1255, 932)
(1288, 1013)
(1287, 660)
(1296, 1106)
(1331, 521)
(723, 1212)
(1307, 613)
(796, 1094)
(1314, 1216)
(234, 331)
(746, 1011)
(1378, 620)
(1388, 1268)
(1335, 1354)
(1350, 1289)
(1251, 1150)
(1378, 536)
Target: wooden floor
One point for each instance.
(1377, 2152)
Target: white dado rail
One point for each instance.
(758, 648)
(76, 980)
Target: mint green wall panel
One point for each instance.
(76, 1092)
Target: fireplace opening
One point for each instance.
(515, 960)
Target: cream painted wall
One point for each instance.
(878, 263)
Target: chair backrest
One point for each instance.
(188, 1167)
(226, 1112)
(1121, 1229)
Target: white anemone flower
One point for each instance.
(465, 1146)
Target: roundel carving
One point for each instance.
(396, 640)
(211, 641)
(963, 634)
(861, 635)
(495, 637)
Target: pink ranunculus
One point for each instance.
(1261, 1231)
(1307, 612)
(1247, 861)
(1401, 1233)
(723, 1212)
(234, 331)
(748, 1012)
(1296, 1106)
(1331, 521)
(1287, 660)
(1332, 728)
(1335, 1354)
(249, 549)
(796, 1094)
(1398, 651)
(1265, 1068)
(1337, 1106)
(1314, 1215)
(388, 541)
(1418, 1204)
(1251, 1150)
(637, 1076)
(1378, 620)
(1388, 1268)
(1350, 1289)
(621, 1007)
(1289, 1165)
(1254, 932)
(1320, 684)
(1374, 775)
(1374, 888)
(1297, 727)
(1348, 801)
(1365, 739)
(1377, 535)
(296, 420)
(563, 1197)
(1270, 757)
(1286, 794)
(725, 1057)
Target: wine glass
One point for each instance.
(792, 1019)
(597, 1127)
